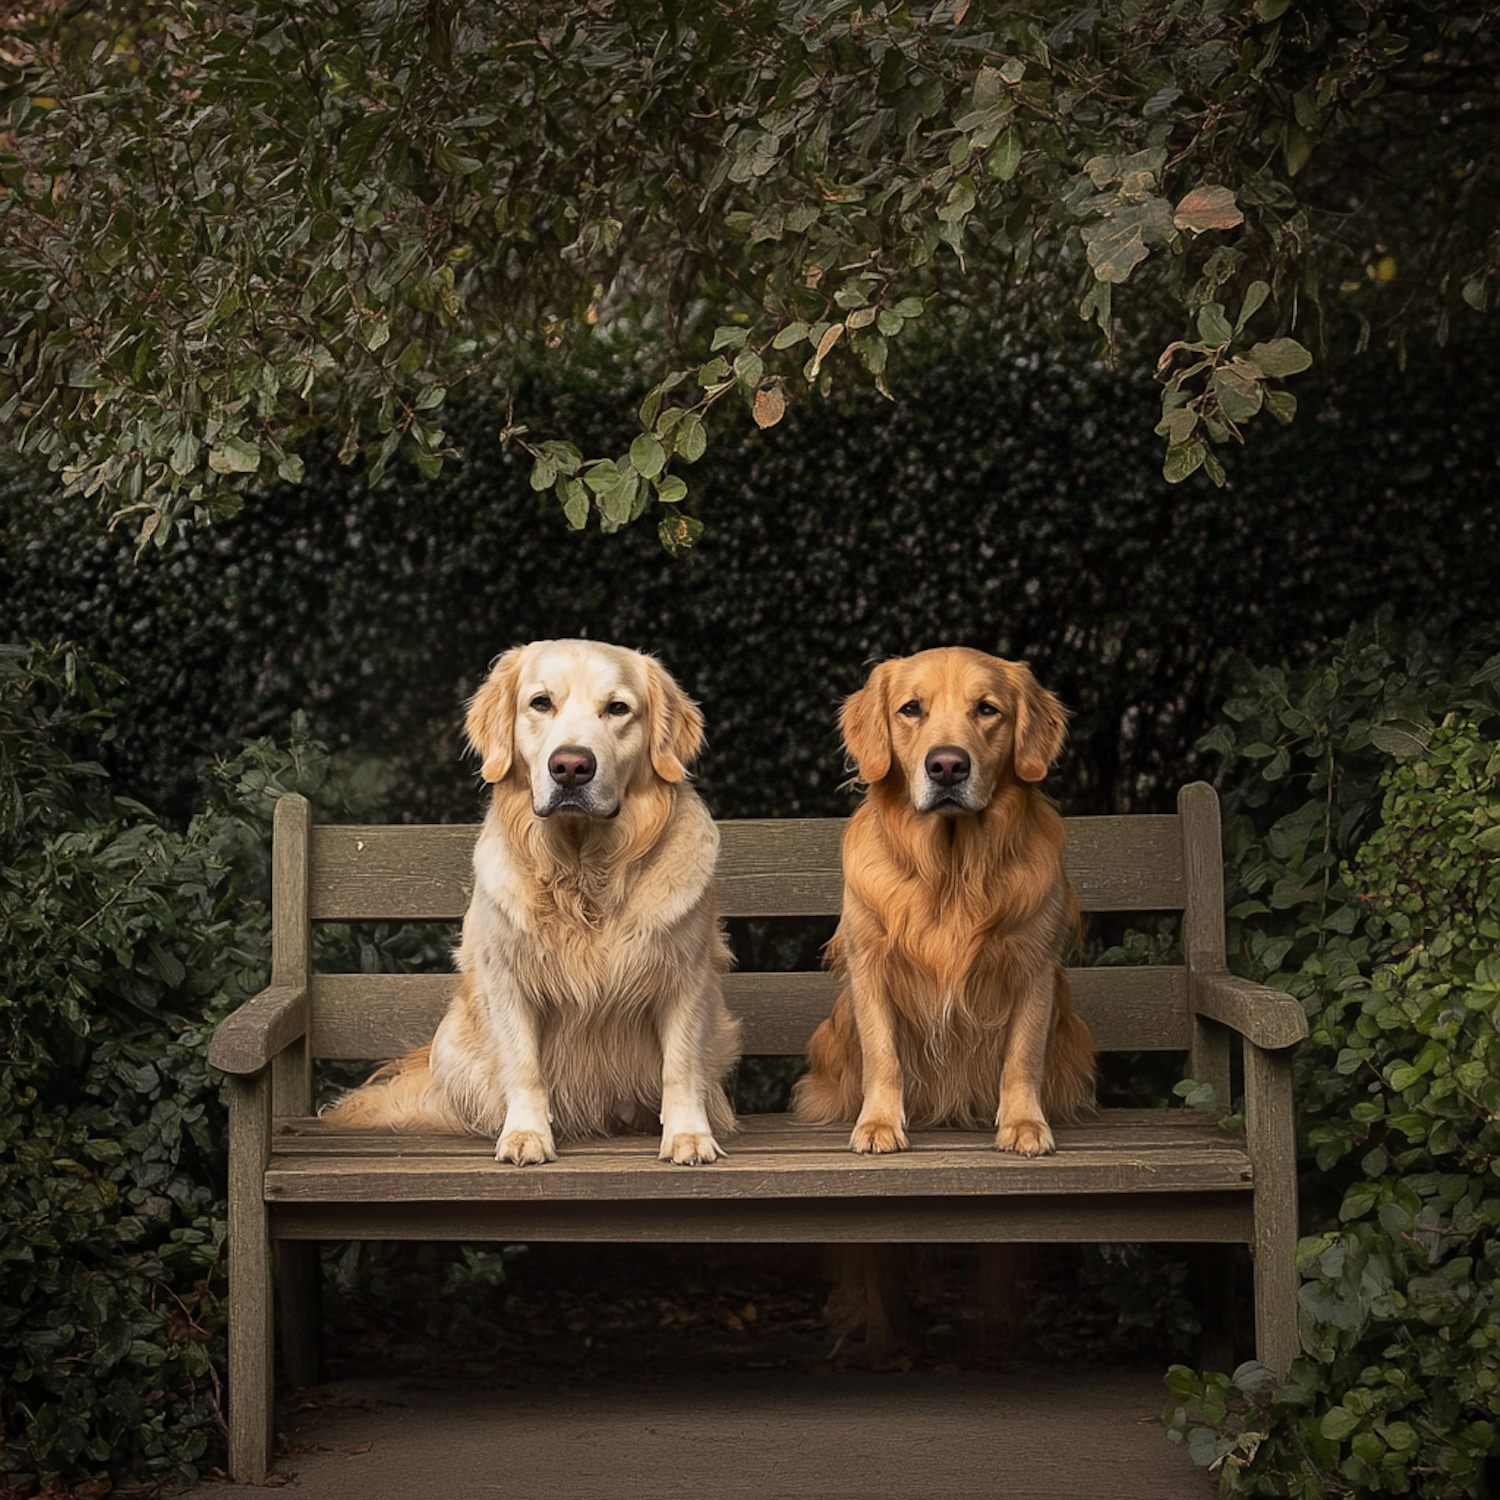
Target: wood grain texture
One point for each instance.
(1266, 1017)
(1270, 1127)
(777, 867)
(250, 1280)
(1209, 1051)
(291, 935)
(366, 1017)
(1117, 1153)
(1175, 1218)
(247, 1039)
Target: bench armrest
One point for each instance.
(245, 1041)
(1264, 1017)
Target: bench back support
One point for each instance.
(767, 868)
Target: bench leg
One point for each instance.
(250, 1280)
(1271, 1130)
(299, 1278)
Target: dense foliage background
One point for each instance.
(1192, 632)
(1007, 505)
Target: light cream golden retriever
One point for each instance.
(957, 918)
(592, 960)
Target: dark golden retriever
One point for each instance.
(957, 918)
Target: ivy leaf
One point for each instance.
(1338, 1424)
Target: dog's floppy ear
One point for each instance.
(674, 724)
(864, 722)
(491, 725)
(1041, 725)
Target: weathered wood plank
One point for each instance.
(250, 1280)
(1127, 1131)
(1209, 1053)
(780, 867)
(1106, 1157)
(775, 867)
(1222, 1218)
(373, 1016)
(1271, 1129)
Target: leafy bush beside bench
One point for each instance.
(1377, 900)
(125, 941)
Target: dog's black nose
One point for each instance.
(572, 765)
(948, 765)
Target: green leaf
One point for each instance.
(1005, 155)
(1213, 326)
(692, 437)
(1281, 357)
(647, 456)
(185, 452)
(1282, 405)
(748, 369)
(617, 503)
(728, 337)
(670, 490)
(1399, 739)
(1119, 244)
(1338, 1424)
(575, 498)
(1255, 297)
(793, 333)
(1239, 398)
(234, 456)
(1183, 459)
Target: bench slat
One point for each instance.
(369, 1016)
(767, 868)
(1108, 1156)
(1036, 1218)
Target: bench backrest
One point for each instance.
(767, 868)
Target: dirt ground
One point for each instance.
(593, 1372)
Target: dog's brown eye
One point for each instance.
(617, 709)
(986, 710)
(542, 704)
(911, 709)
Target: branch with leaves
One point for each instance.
(226, 231)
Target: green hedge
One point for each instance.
(1367, 882)
(1002, 503)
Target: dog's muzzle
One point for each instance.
(571, 770)
(947, 785)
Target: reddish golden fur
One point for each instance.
(591, 998)
(956, 921)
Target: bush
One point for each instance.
(126, 941)
(1378, 901)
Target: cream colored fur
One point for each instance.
(591, 998)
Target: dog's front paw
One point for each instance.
(877, 1136)
(527, 1148)
(688, 1148)
(1026, 1138)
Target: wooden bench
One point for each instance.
(1129, 1175)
